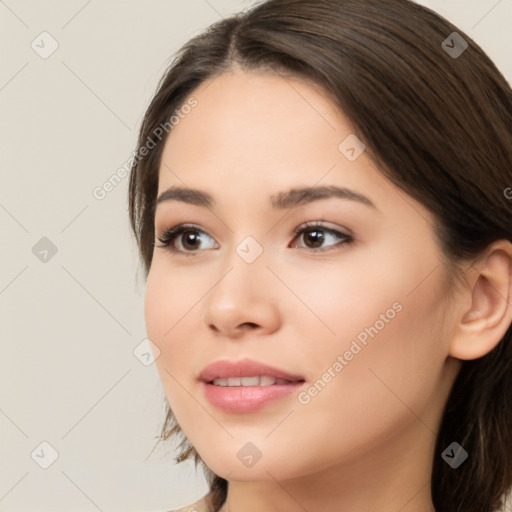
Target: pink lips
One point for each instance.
(223, 369)
(245, 398)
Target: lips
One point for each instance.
(225, 369)
(246, 386)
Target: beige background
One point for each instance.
(69, 325)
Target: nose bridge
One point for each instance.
(241, 294)
(244, 267)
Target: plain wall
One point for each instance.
(71, 302)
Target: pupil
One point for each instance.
(190, 235)
(316, 236)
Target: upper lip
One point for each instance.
(224, 368)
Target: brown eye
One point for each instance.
(190, 240)
(316, 234)
(188, 236)
(313, 236)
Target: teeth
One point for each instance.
(263, 380)
(220, 382)
(267, 381)
(245, 381)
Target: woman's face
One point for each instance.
(364, 320)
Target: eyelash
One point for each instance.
(168, 236)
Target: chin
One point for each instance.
(266, 469)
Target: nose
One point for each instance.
(244, 299)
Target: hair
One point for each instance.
(437, 126)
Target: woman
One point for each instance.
(323, 206)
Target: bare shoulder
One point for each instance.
(198, 506)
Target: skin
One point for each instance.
(366, 441)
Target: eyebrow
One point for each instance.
(282, 200)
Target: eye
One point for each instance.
(189, 243)
(189, 237)
(316, 235)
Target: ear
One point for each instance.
(482, 326)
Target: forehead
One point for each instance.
(257, 125)
(252, 135)
(241, 113)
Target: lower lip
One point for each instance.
(247, 398)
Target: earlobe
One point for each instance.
(484, 323)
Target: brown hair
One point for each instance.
(437, 125)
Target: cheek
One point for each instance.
(155, 304)
(391, 351)
(172, 309)
(166, 304)
(333, 303)
(383, 322)
(169, 299)
(389, 382)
